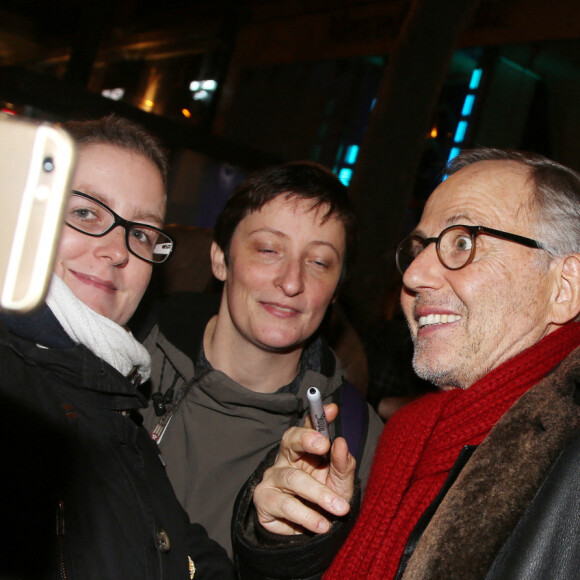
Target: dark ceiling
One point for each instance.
(28, 25)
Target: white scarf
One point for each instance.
(103, 337)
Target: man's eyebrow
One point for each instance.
(455, 219)
(459, 218)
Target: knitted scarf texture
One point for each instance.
(419, 446)
(103, 337)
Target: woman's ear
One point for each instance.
(566, 305)
(218, 262)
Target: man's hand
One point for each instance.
(301, 487)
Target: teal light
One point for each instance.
(345, 175)
(468, 105)
(351, 154)
(475, 78)
(453, 153)
(337, 161)
(460, 133)
(519, 68)
(466, 112)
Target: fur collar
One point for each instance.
(493, 490)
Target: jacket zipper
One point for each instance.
(60, 539)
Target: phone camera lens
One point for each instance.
(48, 164)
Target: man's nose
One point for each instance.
(425, 270)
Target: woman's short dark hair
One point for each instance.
(301, 179)
(115, 130)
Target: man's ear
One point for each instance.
(566, 305)
(218, 262)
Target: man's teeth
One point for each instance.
(437, 319)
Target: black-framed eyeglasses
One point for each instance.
(455, 245)
(92, 217)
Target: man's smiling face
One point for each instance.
(467, 322)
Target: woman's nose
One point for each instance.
(113, 246)
(291, 278)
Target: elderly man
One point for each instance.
(491, 292)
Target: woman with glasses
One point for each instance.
(85, 493)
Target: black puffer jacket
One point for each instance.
(84, 491)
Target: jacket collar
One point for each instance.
(41, 340)
(503, 475)
(40, 326)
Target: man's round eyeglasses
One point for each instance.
(92, 217)
(455, 245)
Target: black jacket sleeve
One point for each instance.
(262, 555)
(546, 541)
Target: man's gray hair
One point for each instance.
(556, 195)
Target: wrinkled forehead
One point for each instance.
(495, 194)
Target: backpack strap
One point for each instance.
(353, 419)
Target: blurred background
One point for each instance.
(381, 92)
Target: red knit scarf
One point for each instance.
(420, 444)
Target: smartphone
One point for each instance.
(36, 165)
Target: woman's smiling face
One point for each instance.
(102, 272)
(285, 262)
